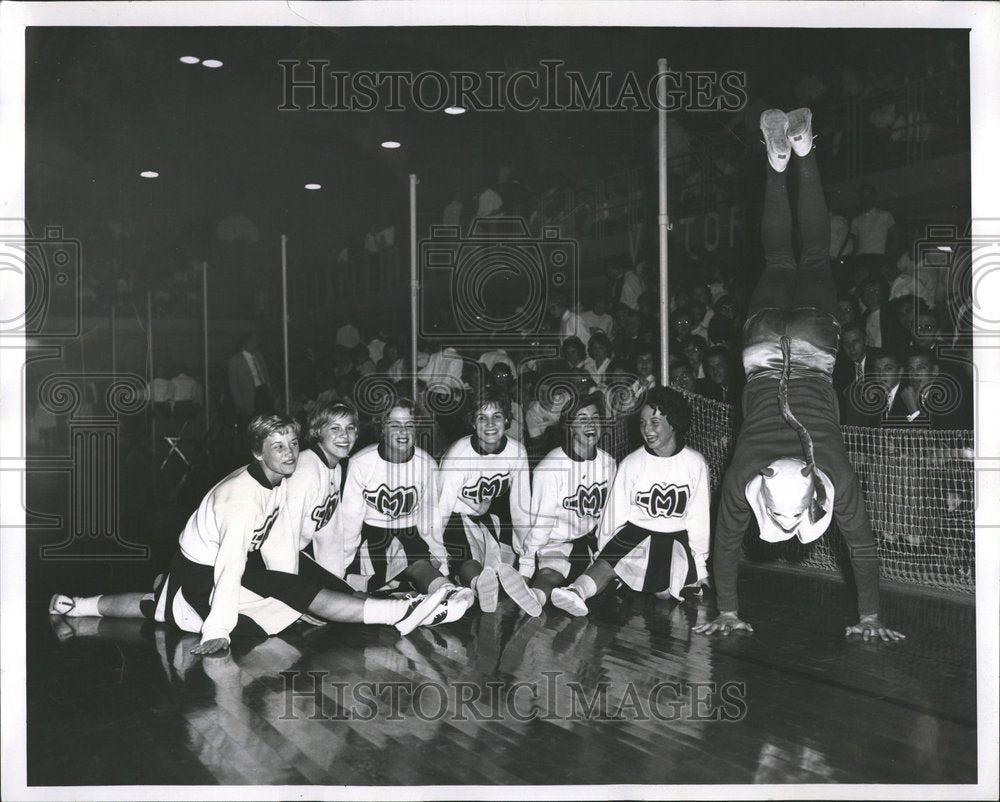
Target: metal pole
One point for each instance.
(204, 328)
(284, 316)
(114, 349)
(149, 363)
(414, 280)
(664, 227)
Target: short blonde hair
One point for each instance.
(263, 426)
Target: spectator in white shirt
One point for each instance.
(598, 319)
(916, 280)
(187, 395)
(570, 323)
(375, 347)
(160, 393)
(489, 203)
(497, 355)
(872, 231)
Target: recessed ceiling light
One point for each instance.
(455, 110)
(389, 144)
(149, 174)
(212, 63)
(190, 59)
(314, 186)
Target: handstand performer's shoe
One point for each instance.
(774, 126)
(800, 132)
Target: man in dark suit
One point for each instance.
(851, 364)
(934, 397)
(250, 382)
(876, 400)
(720, 383)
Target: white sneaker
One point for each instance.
(774, 126)
(421, 608)
(453, 606)
(569, 600)
(60, 604)
(800, 132)
(523, 596)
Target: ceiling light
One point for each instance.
(190, 59)
(389, 144)
(149, 174)
(455, 110)
(212, 63)
(314, 186)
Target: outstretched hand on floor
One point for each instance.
(725, 623)
(211, 646)
(869, 626)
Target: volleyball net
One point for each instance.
(919, 487)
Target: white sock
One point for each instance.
(539, 594)
(585, 586)
(84, 606)
(474, 582)
(384, 611)
(439, 582)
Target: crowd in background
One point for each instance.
(900, 317)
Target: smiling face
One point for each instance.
(400, 433)
(489, 425)
(585, 430)
(279, 455)
(657, 432)
(337, 437)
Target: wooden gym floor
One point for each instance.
(503, 699)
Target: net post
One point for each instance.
(664, 224)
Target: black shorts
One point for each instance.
(658, 558)
(198, 582)
(376, 542)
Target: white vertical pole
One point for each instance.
(664, 227)
(114, 344)
(284, 316)
(204, 334)
(414, 280)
